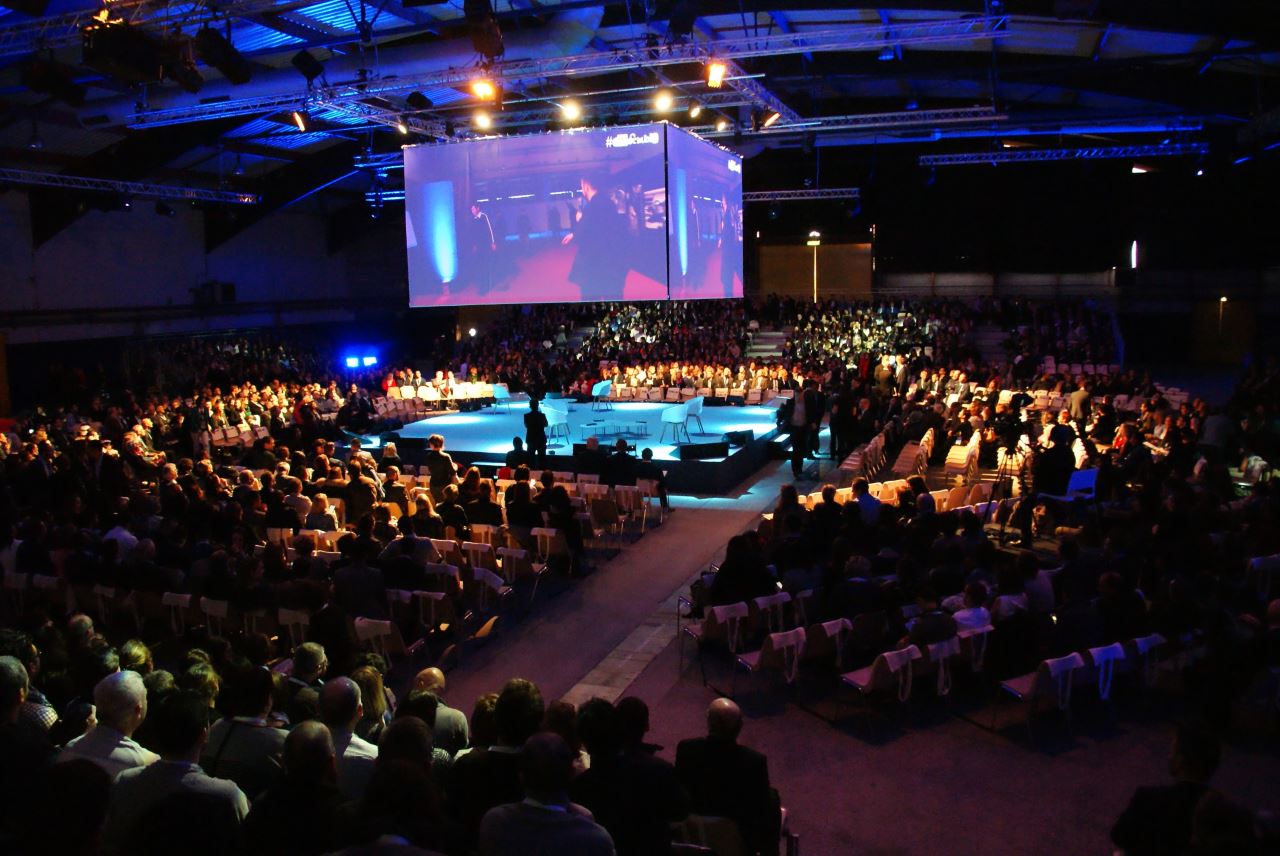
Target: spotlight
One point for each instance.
(402, 125)
(482, 120)
(887, 54)
(164, 209)
(472, 332)
(353, 362)
(695, 110)
(484, 89)
(772, 119)
(722, 124)
(1199, 173)
(307, 65)
(570, 111)
(715, 74)
(301, 119)
(126, 203)
(369, 361)
(1138, 169)
(663, 101)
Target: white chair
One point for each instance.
(675, 417)
(722, 623)
(480, 555)
(892, 670)
(215, 614)
(1049, 683)
(1104, 660)
(693, 410)
(772, 609)
(973, 642)
(296, 623)
(828, 639)
(600, 395)
(1080, 486)
(380, 636)
(649, 492)
(501, 396)
(177, 605)
(781, 651)
(939, 656)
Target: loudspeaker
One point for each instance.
(700, 451)
(212, 47)
(307, 65)
(408, 444)
(739, 438)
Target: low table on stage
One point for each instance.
(607, 428)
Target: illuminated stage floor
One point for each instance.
(485, 436)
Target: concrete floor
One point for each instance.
(929, 782)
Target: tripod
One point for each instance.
(1013, 459)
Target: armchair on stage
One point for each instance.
(676, 417)
(557, 410)
(600, 395)
(694, 406)
(501, 396)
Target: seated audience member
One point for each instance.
(490, 776)
(632, 794)
(302, 690)
(973, 613)
(620, 467)
(299, 814)
(141, 794)
(545, 823)
(450, 728)
(742, 576)
(453, 513)
(244, 746)
(394, 491)
(373, 697)
(397, 814)
(422, 705)
(647, 470)
(121, 701)
(591, 459)
(321, 516)
(358, 587)
(523, 514)
(483, 509)
(24, 748)
(67, 816)
(1158, 819)
(340, 710)
(725, 779)
(518, 456)
(36, 708)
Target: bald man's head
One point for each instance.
(309, 755)
(340, 703)
(724, 719)
(429, 679)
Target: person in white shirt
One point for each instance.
(181, 732)
(973, 614)
(341, 709)
(121, 701)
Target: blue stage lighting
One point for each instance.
(370, 361)
(353, 362)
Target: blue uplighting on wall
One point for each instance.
(680, 208)
(438, 199)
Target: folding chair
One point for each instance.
(770, 611)
(379, 636)
(488, 534)
(435, 610)
(448, 550)
(215, 615)
(649, 491)
(781, 652)
(722, 623)
(605, 517)
(890, 671)
(1050, 682)
(295, 622)
(551, 543)
(516, 564)
(480, 555)
(973, 643)
(488, 588)
(178, 606)
(447, 576)
(828, 640)
(1104, 660)
(1144, 650)
(938, 657)
(630, 502)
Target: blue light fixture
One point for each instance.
(353, 362)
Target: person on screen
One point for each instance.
(482, 246)
(730, 244)
(600, 265)
(535, 433)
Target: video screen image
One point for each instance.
(704, 183)
(562, 217)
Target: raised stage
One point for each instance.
(484, 436)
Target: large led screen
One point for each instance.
(560, 217)
(704, 186)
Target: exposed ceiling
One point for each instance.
(920, 73)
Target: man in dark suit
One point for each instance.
(725, 779)
(1159, 819)
(620, 468)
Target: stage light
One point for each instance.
(369, 361)
(887, 54)
(722, 124)
(570, 111)
(772, 119)
(472, 332)
(1137, 169)
(402, 126)
(484, 89)
(815, 239)
(301, 119)
(663, 101)
(1133, 256)
(715, 74)
(695, 110)
(1199, 173)
(482, 120)
(353, 362)
(1222, 299)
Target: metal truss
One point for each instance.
(778, 44)
(800, 195)
(1038, 155)
(127, 188)
(900, 119)
(62, 31)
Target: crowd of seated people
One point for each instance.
(230, 746)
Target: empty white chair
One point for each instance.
(781, 651)
(1104, 662)
(772, 610)
(675, 418)
(891, 670)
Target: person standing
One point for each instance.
(535, 433)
